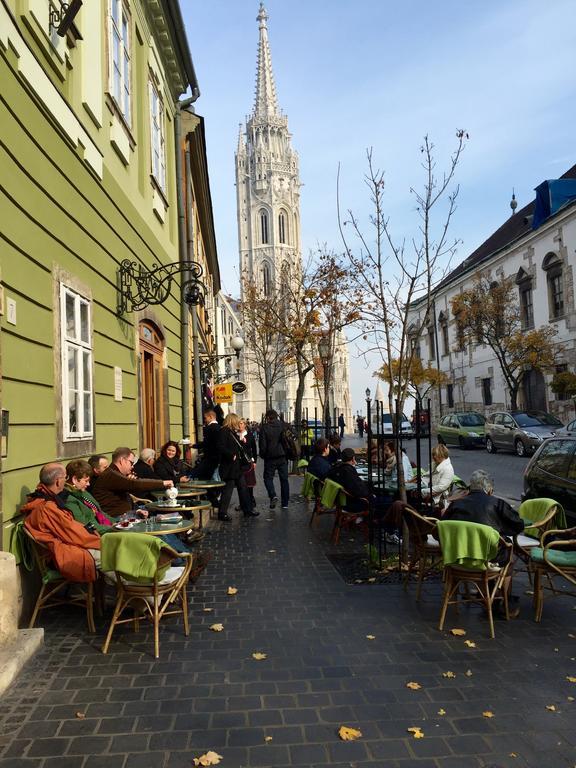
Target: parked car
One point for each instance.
(387, 427)
(519, 431)
(551, 474)
(464, 429)
(569, 429)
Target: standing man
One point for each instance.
(275, 459)
(116, 484)
(341, 425)
(209, 447)
(360, 425)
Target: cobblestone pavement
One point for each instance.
(206, 692)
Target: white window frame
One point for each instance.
(77, 346)
(119, 58)
(157, 136)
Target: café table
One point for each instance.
(183, 493)
(182, 508)
(204, 485)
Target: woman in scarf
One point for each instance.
(169, 466)
(84, 507)
(248, 441)
(233, 463)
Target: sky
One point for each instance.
(377, 74)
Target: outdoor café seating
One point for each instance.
(425, 555)
(468, 553)
(146, 583)
(334, 498)
(554, 560)
(312, 488)
(539, 515)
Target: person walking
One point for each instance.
(248, 441)
(275, 458)
(233, 463)
(360, 425)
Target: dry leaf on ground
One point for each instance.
(370, 637)
(80, 715)
(210, 758)
(487, 714)
(458, 632)
(372, 580)
(470, 643)
(468, 673)
(551, 707)
(259, 656)
(571, 679)
(349, 734)
(272, 550)
(267, 738)
(217, 627)
(208, 610)
(441, 711)
(413, 686)
(232, 591)
(570, 698)
(448, 674)
(512, 754)
(416, 732)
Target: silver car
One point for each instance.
(519, 431)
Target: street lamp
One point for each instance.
(368, 394)
(237, 344)
(324, 350)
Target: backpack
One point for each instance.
(289, 444)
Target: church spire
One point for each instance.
(265, 103)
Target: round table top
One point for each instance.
(161, 508)
(155, 528)
(202, 484)
(183, 493)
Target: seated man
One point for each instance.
(345, 473)
(99, 464)
(115, 485)
(144, 467)
(74, 549)
(319, 465)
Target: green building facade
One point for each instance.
(87, 179)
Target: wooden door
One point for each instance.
(152, 406)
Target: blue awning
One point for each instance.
(551, 196)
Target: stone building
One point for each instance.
(268, 206)
(537, 247)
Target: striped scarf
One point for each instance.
(98, 514)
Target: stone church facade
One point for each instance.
(268, 205)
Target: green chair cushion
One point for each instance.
(560, 557)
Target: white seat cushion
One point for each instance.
(526, 541)
(431, 542)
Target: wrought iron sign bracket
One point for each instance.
(139, 287)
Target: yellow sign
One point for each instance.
(223, 393)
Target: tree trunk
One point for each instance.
(514, 397)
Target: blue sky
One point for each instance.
(380, 74)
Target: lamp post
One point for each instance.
(324, 350)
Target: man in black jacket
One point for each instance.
(209, 446)
(480, 506)
(345, 473)
(275, 460)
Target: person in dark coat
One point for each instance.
(335, 454)
(169, 465)
(248, 440)
(319, 465)
(345, 473)
(210, 459)
(144, 467)
(275, 459)
(341, 425)
(481, 506)
(233, 462)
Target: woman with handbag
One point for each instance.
(248, 441)
(233, 463)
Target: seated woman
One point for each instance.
(83, 506)
(169, 466)
(441, 478)
(390, 468)
(319, 465)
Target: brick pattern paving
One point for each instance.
(206, 692)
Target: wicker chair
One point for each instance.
(56, 590)
(525, 542)
(425, 553)
(312, 488)
(456, 536)
(555, 558)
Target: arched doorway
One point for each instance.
(152, 400)
(534, 390)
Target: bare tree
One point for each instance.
(394, 274)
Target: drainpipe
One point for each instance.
(193, 309)
(182, 252)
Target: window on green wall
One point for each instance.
(76, 344)
(119, 35)
(157, 136)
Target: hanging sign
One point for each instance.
(239, 387)
(223, 393)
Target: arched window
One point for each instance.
(552, 265)
(266, 279)
(263, 227)
(282, 227)
(524, 283)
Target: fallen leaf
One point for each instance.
(441, 711)
(370, 637)
(468, 673)
(272, 550)
(413, 686)
(572, 636)
(210, 758)
(448, 674)
(349, 734)
(267, 738)
(528, 591)
(556, 650)
(259, 656)
(571, 679)
(458, 632)
(470, 643)
(232, 591)
(512, 754)
(551, 707)
(487, 714)
(416, 732)
(80, 715)
(208, 610)
(217, 627)
(372, 580)
(570, 698)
